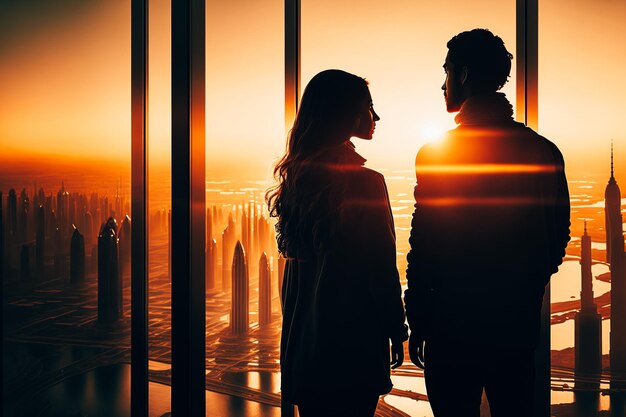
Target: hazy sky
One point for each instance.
(65, 74)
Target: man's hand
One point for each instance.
(416, 350)
(397, 354)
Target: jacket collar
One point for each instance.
(485, 109)
(342, 155)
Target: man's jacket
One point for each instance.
(490, 227)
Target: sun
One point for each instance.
(431, 133)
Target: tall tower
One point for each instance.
(118, 203)
(211, 264)
(588, 327)
(109, 280)
(77, 258)
(240, 296)
(265, 291)
(63, 209)
(616, 258)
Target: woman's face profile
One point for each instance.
(365, 123)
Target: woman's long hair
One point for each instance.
(301, 200)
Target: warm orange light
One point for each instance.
(480, 201)
(432, 133)
(483, 169)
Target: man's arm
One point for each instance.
(418, 274)
(561, 221)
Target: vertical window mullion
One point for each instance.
(292, 60)
(292, 91)
(139, 200)
(527, 111)
(188, 205)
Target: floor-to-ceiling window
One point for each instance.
(580, 61)
(244, 137)
(65, 187)
(65, 129)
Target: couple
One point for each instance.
(490, 226)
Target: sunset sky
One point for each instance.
(65, 75)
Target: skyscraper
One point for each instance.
(63, 209)
(265, 291)
(239, 297)
(617, 261)
(12, 214)
(588, 326)
(77, 258)
(23, 214)
(40, 239)
(109, 280)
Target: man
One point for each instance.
(490, 227)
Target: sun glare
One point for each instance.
(431, 133)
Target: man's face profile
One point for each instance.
(452, 86)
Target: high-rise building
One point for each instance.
(265, 291)
(588, 326)
(12, 214)
(240, 295)
(109, 280)
(23, 216)
(125, 237)
(211, 264)
(40, 239)
(617, 262)
(63, 209)
(118, 204)
(229, 237)
(77, 258)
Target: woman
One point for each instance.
(341, 292)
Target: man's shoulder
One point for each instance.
(514, 135)
(469, 142)
(549, 149)
(436, 150)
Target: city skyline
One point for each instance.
(233, 210)
(65, 136)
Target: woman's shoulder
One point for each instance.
(367, 182)
(369, 174)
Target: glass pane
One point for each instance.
(159, 205)
(65, 184)
(245, 134)
(583, 118)
(399, 48)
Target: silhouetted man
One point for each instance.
(490, 227)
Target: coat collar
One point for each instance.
(485, 109)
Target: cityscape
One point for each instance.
(66, 306)
(67, 131)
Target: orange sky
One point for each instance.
(65, 75)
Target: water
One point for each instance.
(105, 392)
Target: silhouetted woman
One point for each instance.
(341, 293)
